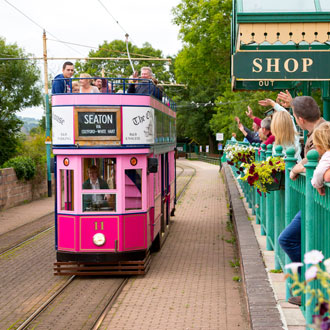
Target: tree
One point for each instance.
(230, 104)
(19, 88)
(120, 68)
(203, 63)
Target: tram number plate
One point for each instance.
(97, 123)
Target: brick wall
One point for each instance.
(15, 192)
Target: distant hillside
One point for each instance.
(29, 123)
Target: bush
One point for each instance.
(24, 167)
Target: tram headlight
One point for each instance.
(99, 239)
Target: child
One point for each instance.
(321, 140)
(75, 87)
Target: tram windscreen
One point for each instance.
(102, 168)
(99, 202)
(133, 189)
(67, 190)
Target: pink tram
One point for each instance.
(127, 142)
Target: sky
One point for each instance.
(87, 23)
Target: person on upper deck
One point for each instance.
(145, 86)
(61, 83)
(85, 84)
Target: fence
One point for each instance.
(275, 210)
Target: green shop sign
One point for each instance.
(281, 65)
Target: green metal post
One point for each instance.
(310, 229)
(278, 215)
(326, 100)
(262, 197)
(257, 196)
(290, 161)
(269, 210)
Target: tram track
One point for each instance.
(59, 309)
(67, 301)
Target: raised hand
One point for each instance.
(237, 120)
(285, 99)
(266, 103)
(249, 113)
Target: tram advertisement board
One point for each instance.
(62, 123)
(281, 65)
(139, 125)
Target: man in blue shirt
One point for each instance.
(60, 84)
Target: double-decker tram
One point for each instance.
(114, 156)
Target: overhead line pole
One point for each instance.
(48, 139)
(88, 58)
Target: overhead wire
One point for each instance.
(99, 48)
(34, 22)
(106, 9)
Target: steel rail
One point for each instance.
(186, 185)
(110, 303)
(25, 241)
(39, 310)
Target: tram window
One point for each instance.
(67, 190)
(103, 168)
(99, 202)
(133, 189)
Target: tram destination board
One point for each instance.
(97, 124)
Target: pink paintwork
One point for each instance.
(122, 232)
(110, 100)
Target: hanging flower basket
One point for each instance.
(267, 175)
(279, 181)
(238, 156)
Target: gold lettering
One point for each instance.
(95, 225)
(275, 65)
(295, 65)
(258, 65)
(306, 63)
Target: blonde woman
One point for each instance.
(85, 84)
(321, 140)
(285, 134)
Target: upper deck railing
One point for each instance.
(122, 86)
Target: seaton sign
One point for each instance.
(281, 65)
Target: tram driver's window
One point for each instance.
(102, 169)
(133, 189)
(67, 190)
(99, 202)
(99, 173)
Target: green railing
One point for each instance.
(275, 210)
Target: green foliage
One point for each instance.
(234, 104)
(276, 271)
(24, 167)
(33, 146)
(120, 68)
(202, 64)
(19, 88)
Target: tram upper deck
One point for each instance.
(112, 119)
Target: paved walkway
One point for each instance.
(20, 215)
(190, 282)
